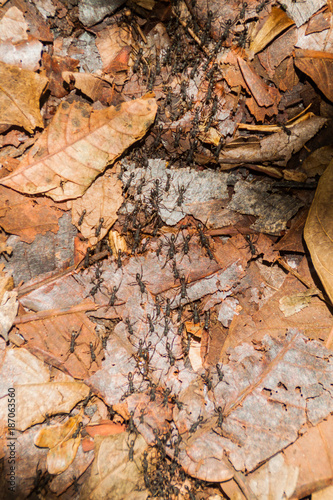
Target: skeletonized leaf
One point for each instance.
(78, 145)
(318, 231)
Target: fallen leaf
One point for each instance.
(27, 217)
(112, 473)
(63, 446)
(78, 145)
(93, 86)
(52, 435)
(110, 43)
(102, 200)
(8, 311)
(20, 92)
(13, 26)
(319, 67)
(55, 66)
(276, 22)
(318, 231)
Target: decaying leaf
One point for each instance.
(78, 145)
(318, 231)
(20, 92)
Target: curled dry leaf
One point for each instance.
(93, 86)
(319, 67)
(20, 92)
(63, 441)
(78, 145)
(276, 22)
(318, 231)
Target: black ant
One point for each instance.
(74, 336)
(99, 227)
(79, 222)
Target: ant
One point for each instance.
(74, 336)
(261, 6)
(220, 417)
(138, 281)
(99, 227)
(79, 222)
(220, 373)
(196, 424)
(113, 296)
(181, 192)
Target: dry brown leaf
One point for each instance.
(60, 457)
(318, 231)
(63, 446)
(78, 145)
(112, 474)
(51, 436)
(319, 67)
(277, 22)
(8, 311)
(55, 66)
(312, 455)
(50, 339)
(101, 201)
(27, 217)
(13, 26)
(110, 43)
(20, 92)
(93, 86)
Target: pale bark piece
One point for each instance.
(78, 145)
(113, 475)
(301, 12)
(268, 395)
(190, 192)
(93, 11)
(102, 200)
(273, 210)
(318, 231)
(45, 254)
(276, 477)
(20, 92)
(13, 26)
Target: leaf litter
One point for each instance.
(153, 314)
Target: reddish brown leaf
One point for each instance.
(319, 67)
(78, 145)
